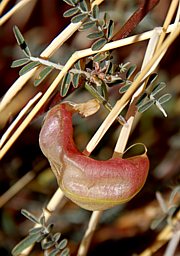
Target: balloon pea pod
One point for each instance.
(91, 184)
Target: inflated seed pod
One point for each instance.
(92, 184)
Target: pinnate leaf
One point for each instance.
(65, 252)
(65, 84)
(20, 62)
(42, 75)
(95, 11)
(98, 44)
(62, 244)
(29, 216)
(166, 97)
(25, 243)
(160, 86)
(75, 80)
(130, 71)
(145, 106)
(69, 2)
(28, 67)
(110, 29)
(95, 35)
(79, 17)
(87, 25)
(83, 6)
(71, 12)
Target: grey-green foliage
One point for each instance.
(42, 234)
(80, 11)
(168, 209)
(148, 98)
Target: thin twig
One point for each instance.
(89, 233)
(3, 5)
(21, 183)
(126, 129)
(167, 21)
(17, 7)
(18, 118)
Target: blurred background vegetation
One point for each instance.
(125, 229)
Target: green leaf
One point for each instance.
(124, 88)
(130, 71)
(95, 35)
(164, 98)
(79, 17)
(100, 56)
(71, 12)
(18, 35)
(25, 243)
(35, 230)
(87, 25)
(77, 65)
(20, 62)
(75, 80)
(42, 75)
(83, 6)
(42, 220)
(155, 223)
(95, 11)
(172, 210)
(28, 67)
(65, 84)
(46, 245)
(62, 244)
(106, 18)
(145, 106)
(110, 29)
(21, 42)
(69, 2)
(151, 79)
(160, 86)
(98, 44)
(56, 237)
(29, 216)
(54, 252)
(173, 194)
(141, 99)
(65, 252)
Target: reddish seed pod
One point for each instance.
(92, 184)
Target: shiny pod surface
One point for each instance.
(92, 184)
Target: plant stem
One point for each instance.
(13, 10)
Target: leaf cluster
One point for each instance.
(81, 11)
(42, 233)
(168, 209)
(148, 98)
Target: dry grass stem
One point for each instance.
(20, 184)
(89, 233)
(126, 129)
(17, 7)
(169, 16)
(3, 5)
(124, 99)
(18, 118)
